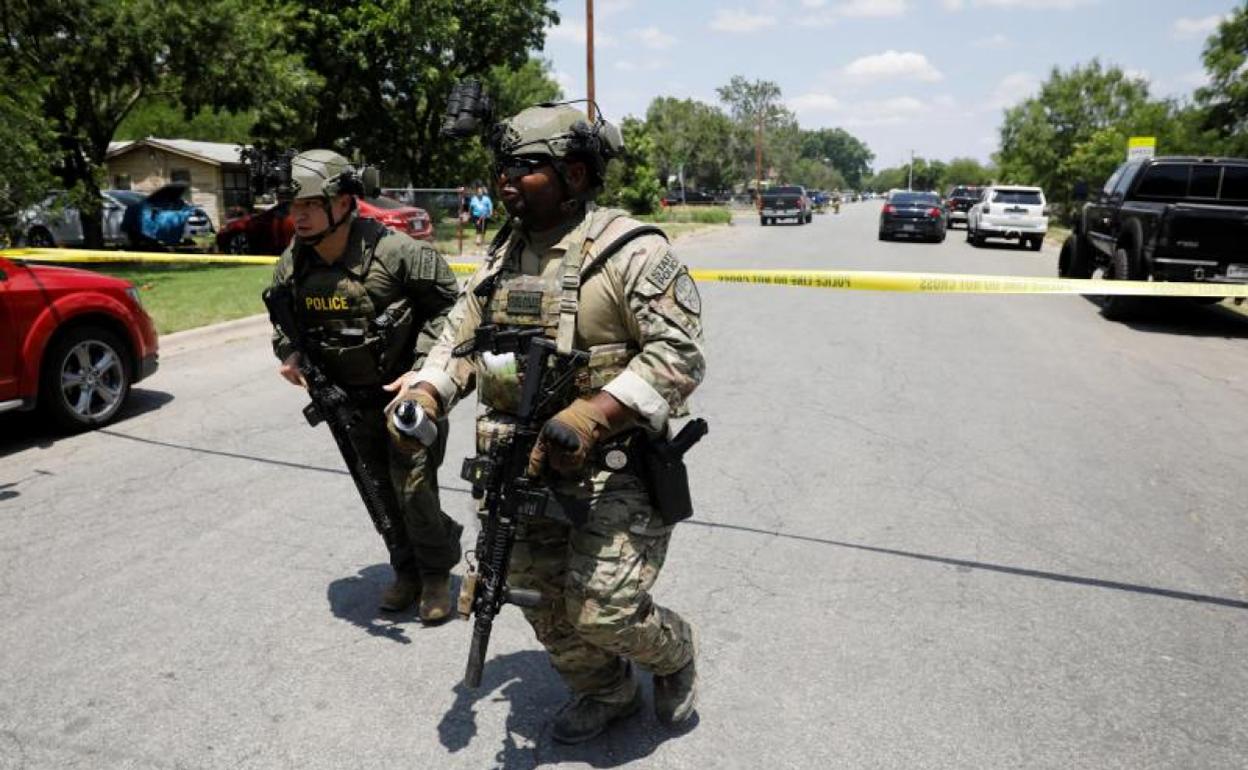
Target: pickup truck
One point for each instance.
(787, 202)
(1163, 219)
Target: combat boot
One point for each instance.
(435, 597)
(676, 695)
(402, 593)
(585, 717)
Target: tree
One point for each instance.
(755, 106)
(89, 63)
(842, 150)
(385, 69)
(1225, 99)
(1043, 131)
(29, 148)
(968, 171)
(691, 135)
(164, 117)
(631, 181)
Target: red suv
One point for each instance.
(71, 342)
(268, 231)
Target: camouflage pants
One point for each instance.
(429, 541)
(595, 580)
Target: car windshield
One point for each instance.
(384, 203)
(1018, 197)
(787, 191)
(922, 199)
(965, 192)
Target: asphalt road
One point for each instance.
(931, 532)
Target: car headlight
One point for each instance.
(133, 293)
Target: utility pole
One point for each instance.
(758, 162)
(910, 181)
(589, 57)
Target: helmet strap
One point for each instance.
(328, 205)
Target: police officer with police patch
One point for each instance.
(373, 301)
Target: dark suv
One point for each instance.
(1163, 219)
(959, 201)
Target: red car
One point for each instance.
(71, 342)
(269, 231)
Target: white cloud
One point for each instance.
(1138, 74)
(992, 41)
(874, 8)
(817, 20)
(609, 7)
(740, 21)
(814, 102)
(640, 65)
(953, 5)
(1188, 28)
(655, 38)
(1011, 90)
(893, 65)
(571, 31)
(567, 83)
(814, 3)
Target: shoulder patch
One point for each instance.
(428, 265)
(686, 292)
(661, 275)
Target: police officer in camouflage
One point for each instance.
(596, 280)
(348, 274)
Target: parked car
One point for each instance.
(1010, 212)
(786, 202)
(959, 201)
(270, 230)
(1163, 219)
(913, 214)
(72, 342)
(687, 197)
(129, 219)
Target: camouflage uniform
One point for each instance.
(638, 315)
(336, 304)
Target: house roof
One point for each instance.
(215, 153)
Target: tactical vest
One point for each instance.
(359, 344)
(550, 302)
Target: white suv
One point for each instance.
(1011, 212)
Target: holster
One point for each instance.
(663, 465)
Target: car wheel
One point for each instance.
(1116, 307)
(884, 236)
(238, 244)
(1037, 243)
(85, 378)
(40, 238)
(1071, 262)
(968, 232)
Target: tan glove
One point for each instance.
(567, 438)
(403, 441)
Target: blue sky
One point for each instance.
(928, 75)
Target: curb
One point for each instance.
(214, 334)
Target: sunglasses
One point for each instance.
(518, 167)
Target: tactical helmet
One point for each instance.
(558, 131)
(317, 173)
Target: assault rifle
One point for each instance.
(331, 405)
(501, 479)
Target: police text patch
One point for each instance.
(524, 302)
(661, 275)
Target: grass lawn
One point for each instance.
(185, 296)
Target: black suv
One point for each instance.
(1163, 219)
(696, 197)
(959, 201)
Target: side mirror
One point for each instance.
(1081, 191)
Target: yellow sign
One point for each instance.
(1139, 147)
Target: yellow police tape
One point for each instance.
(849, 280)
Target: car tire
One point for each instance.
(885, 236)
(1116, 307)
(238, 244)
(40, 238)
(85, 378)
(1071, 261)
(1037, 243)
